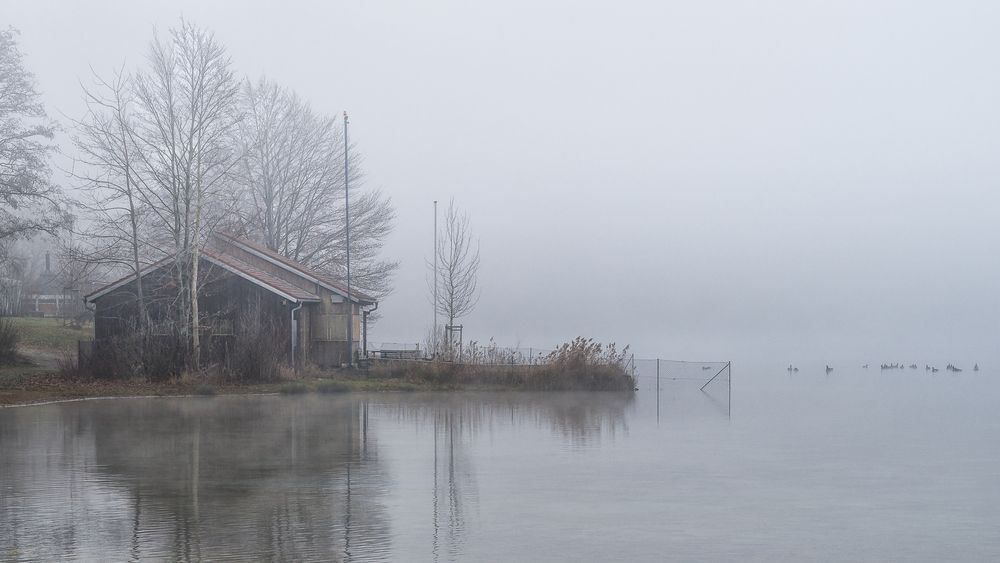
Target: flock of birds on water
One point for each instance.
(927, 367)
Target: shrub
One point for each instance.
(9, 337)
(258, 348)
(69, 366)
(132, 355)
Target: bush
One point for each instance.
(9, 337)
(257, 350)
(132, 355)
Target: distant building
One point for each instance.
(50, 294)
(237, 275)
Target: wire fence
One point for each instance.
(660, 376)
(470, 353)
(649, 374)
(647, 371)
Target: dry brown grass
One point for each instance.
(581, 364)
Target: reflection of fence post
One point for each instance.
(729, 372)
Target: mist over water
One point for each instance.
(851, 465)
(789, 182)
(806, 184)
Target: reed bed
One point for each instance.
(580, 364)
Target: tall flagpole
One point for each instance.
(347, 224)
(434, 333)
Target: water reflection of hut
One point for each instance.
(261, 476)
(287, 478)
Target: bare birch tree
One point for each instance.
(187, 116)
(457, 267)
(31, 203)
(293, 174)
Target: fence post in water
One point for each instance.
(657, 389)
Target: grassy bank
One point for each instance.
(45, 345)
(45, 386)
(41, 386)
(51, 335)
(543, 377)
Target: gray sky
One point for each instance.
(782, 180)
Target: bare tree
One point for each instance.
(113, 234)
(457, 267)
(187, 117)
(31, 203)
(293, 173)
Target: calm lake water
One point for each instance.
(854, 465)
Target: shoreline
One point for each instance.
(50, 388)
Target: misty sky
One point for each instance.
(792, 181)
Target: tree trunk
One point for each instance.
(195, 324)
(195, 333)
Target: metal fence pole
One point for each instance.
(657, 389)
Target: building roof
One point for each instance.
(270, 282)
(125, 280)
(295, 267)
(251, 273)
(231, 264)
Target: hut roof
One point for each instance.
(231, 263)
(294, 267)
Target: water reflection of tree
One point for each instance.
(251, 477)
(454, 485)
(457, 420)
(271, 477)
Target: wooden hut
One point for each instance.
(242, 281)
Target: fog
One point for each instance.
(787, 181)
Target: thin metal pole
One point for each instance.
(729, 368)
(714, 376)
(434, 335)
(657, 389)
(347, 220)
